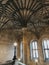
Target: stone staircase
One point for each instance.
(11, 62)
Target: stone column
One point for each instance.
(41, 58)
(18, 50)
(25, 45)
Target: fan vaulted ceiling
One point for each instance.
(30, 14)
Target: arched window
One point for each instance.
(45, 46)
(21, 50)
(34, 50)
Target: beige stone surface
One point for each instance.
(7, 48)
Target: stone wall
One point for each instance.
(7, 50)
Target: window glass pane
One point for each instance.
(48, 43)
(34, 54)
(31, 54)
(35, 45)
(31, 50)
(45, 44)
(31, 46)
(46, 53)
(21, 46)
(37, 53)
(21, 50)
